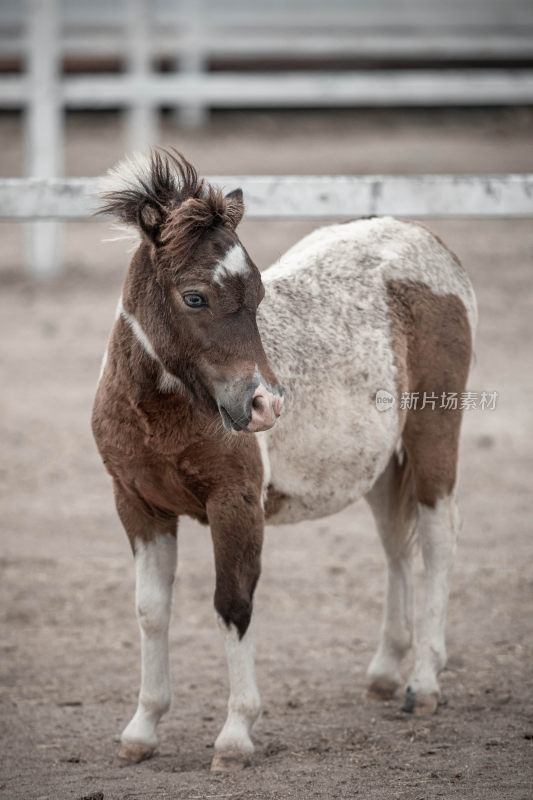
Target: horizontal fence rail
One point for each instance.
(284, 45)
(191, 56)
(302, 197)
(288, 89)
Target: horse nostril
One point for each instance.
(257, 404)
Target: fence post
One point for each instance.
(192, 60)
(141, 115)
(43, 127)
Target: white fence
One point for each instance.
(294, 197)
(302, 197)
(191, 35)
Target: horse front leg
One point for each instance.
(237, 530)
(155, 567)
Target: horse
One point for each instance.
(234, 413)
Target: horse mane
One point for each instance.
(162, 195)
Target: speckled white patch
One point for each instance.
(324, 323)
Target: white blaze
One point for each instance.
(233, 263)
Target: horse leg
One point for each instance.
(437, 531)
(237, 531)
(392, 505)
(431, 440)
(432, 337)
(155, 550)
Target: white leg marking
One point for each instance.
(396, 628)
(437, 529)
(397, 624)
(244, 705)
(155, 567)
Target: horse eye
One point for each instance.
(194, 300)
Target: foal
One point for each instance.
(186, 407)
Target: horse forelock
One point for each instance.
(189, 223)
(163, 191)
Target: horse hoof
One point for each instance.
(426, 704)
(381, 689)
(134, 753)
(420, 704)
(229, 761)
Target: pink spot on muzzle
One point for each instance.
(266, 408)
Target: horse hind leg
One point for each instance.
(432, 444)
(414, 501)
(394, 508)
(437, 348)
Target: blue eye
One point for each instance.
(194, 300)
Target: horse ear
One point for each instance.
(234, 207)
(150, 219)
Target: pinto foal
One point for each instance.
(186, 407)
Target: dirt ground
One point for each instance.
(69, 669)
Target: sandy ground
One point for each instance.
(69, 667)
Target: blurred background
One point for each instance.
(347, 87)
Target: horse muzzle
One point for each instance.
(265, 408)
(259, 411)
